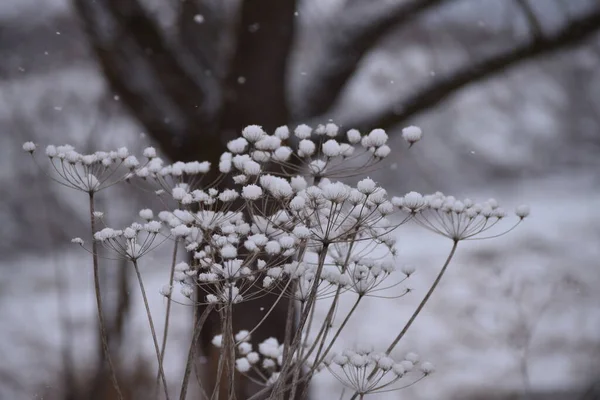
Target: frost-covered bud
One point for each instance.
(282, 153)
(146, 213)
(346, 149)
(77, 240)
(366, 186)
(399, 369)
(340, 360)
(407, 365)
(237, 146)
(240, 179)
(297, 203)
(242, 336)
(51, 151)
(253, 133)
(225, 166)
(383, 151)
(412, 134)
(181, 230)
(353, 136)
(149, 152)
(298, 183)
(408, 269)
(251, 168)
(178, 193)
(306, 148)
(166, 290)
(131, 162)
(217, 341)
(331, 148)
(252, 192)
(260, 156)
(29, 147)
(377, 138)
(268, 143)
(267, 282)
(522, 211)
(122, 153)
(98, 214)
(413, 201)
(229, 252)
(331, 129)
(385, 363)
(303, 131)
(212, 299)
(282, 132)
(253, 357)
(412, 357)
(242, 364)
(336, 192)
(152, 227)
(187, 291)
(273, 247)
(427, 368)
(228, 195)
(244, 348)
(301, 232)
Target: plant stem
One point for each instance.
(151, 323)
(418, 310)
(169, 303)
(98, 295)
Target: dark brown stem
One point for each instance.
(152, 330)
(169, 303)
(98, 295)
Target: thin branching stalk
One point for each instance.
(169, 303)
(304, 317)
(418, 310)
(152, 330)
(424, 301)
(103, 336)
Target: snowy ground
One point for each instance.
(471, 329)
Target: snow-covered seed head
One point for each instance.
(522, 211)
(253, 133)
(149, 152)
(408, 269)
(413, 201)
(303, 131)
(366, 186)
(146, 214)
(427, 368)
(29, 147)
(412, 134)
(282, 132)
(252, 192)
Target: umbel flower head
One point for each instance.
(456, 219)
(132, 242)
(371, 372)
(87, 172)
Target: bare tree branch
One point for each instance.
(534, 23)
(149, 73)
(429, 96)
(350, 38)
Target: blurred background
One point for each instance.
(507, 93)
